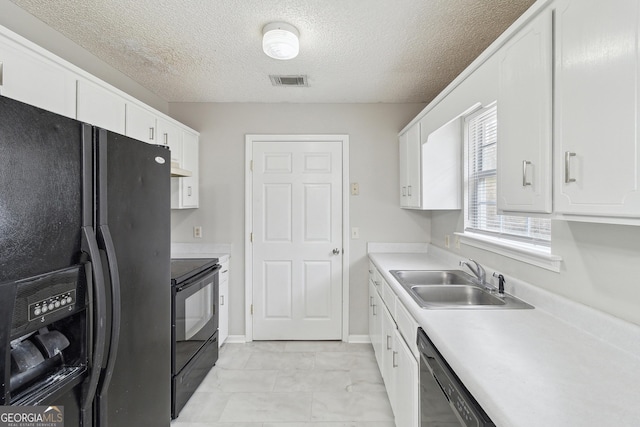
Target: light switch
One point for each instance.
(355, 188)
(355, 233)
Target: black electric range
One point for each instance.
(182, 269)
(194, 329)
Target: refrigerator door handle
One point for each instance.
(106, 242)
(90, 246)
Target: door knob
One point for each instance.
(336, 251)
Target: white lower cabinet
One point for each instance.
(397, 362)
(223, 312)
(388, 333)
(406, 375)
(375, 322)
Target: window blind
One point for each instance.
(482, 213)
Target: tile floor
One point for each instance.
(291, 384)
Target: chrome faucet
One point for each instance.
(477, 270)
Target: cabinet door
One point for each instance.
(189, 185)
(403, 145)
(29, 77)
(101, 107)
(170, 135)
(141, 124)
(409, 167)
(388, 358)
(524, 118)
(223, 313)
(375, 322)
(596, 97)
(406, 378)
(413, 166)
(441, 167)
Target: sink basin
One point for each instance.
(455, 295)
(433, 277)
(452, 289)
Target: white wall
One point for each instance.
(31, 28)
(372, 129)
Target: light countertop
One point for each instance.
(531, 367)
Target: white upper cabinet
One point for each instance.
(441, 167)
(525, 118)
(101, 107)
(597, 154)
(34, 79)
(410, 167)
(141, 124)
(171, 135)
(189, 189)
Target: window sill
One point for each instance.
(524, 253)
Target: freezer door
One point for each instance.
(133, 217)
(40, 191)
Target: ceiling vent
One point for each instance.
(290, 81)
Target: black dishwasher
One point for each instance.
(444, 400)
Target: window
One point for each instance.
(481, 214)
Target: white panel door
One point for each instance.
(297, 240)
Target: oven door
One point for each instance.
(195, 316)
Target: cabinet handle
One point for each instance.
(166, 139)
(388, 343)
(404, 191)
(409, 191)
(374, 310)
(567, 167)
(525, 163)
(1, 74)
(394, 363)
(221, 299)
(151, 134)
(371, 301)
(189, 191)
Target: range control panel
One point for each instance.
(52, 304)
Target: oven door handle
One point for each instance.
(197, 279)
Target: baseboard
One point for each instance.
(359, 339)
(236, 339)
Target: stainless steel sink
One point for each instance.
(433, 277)
(453, 289)
(447, 295)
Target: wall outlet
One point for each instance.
(447, 241)
(197, 231)
(355, 233)
(457, 242)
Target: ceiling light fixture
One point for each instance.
(280, 40)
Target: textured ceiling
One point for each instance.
(361, 51)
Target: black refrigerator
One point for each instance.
(84, 271)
